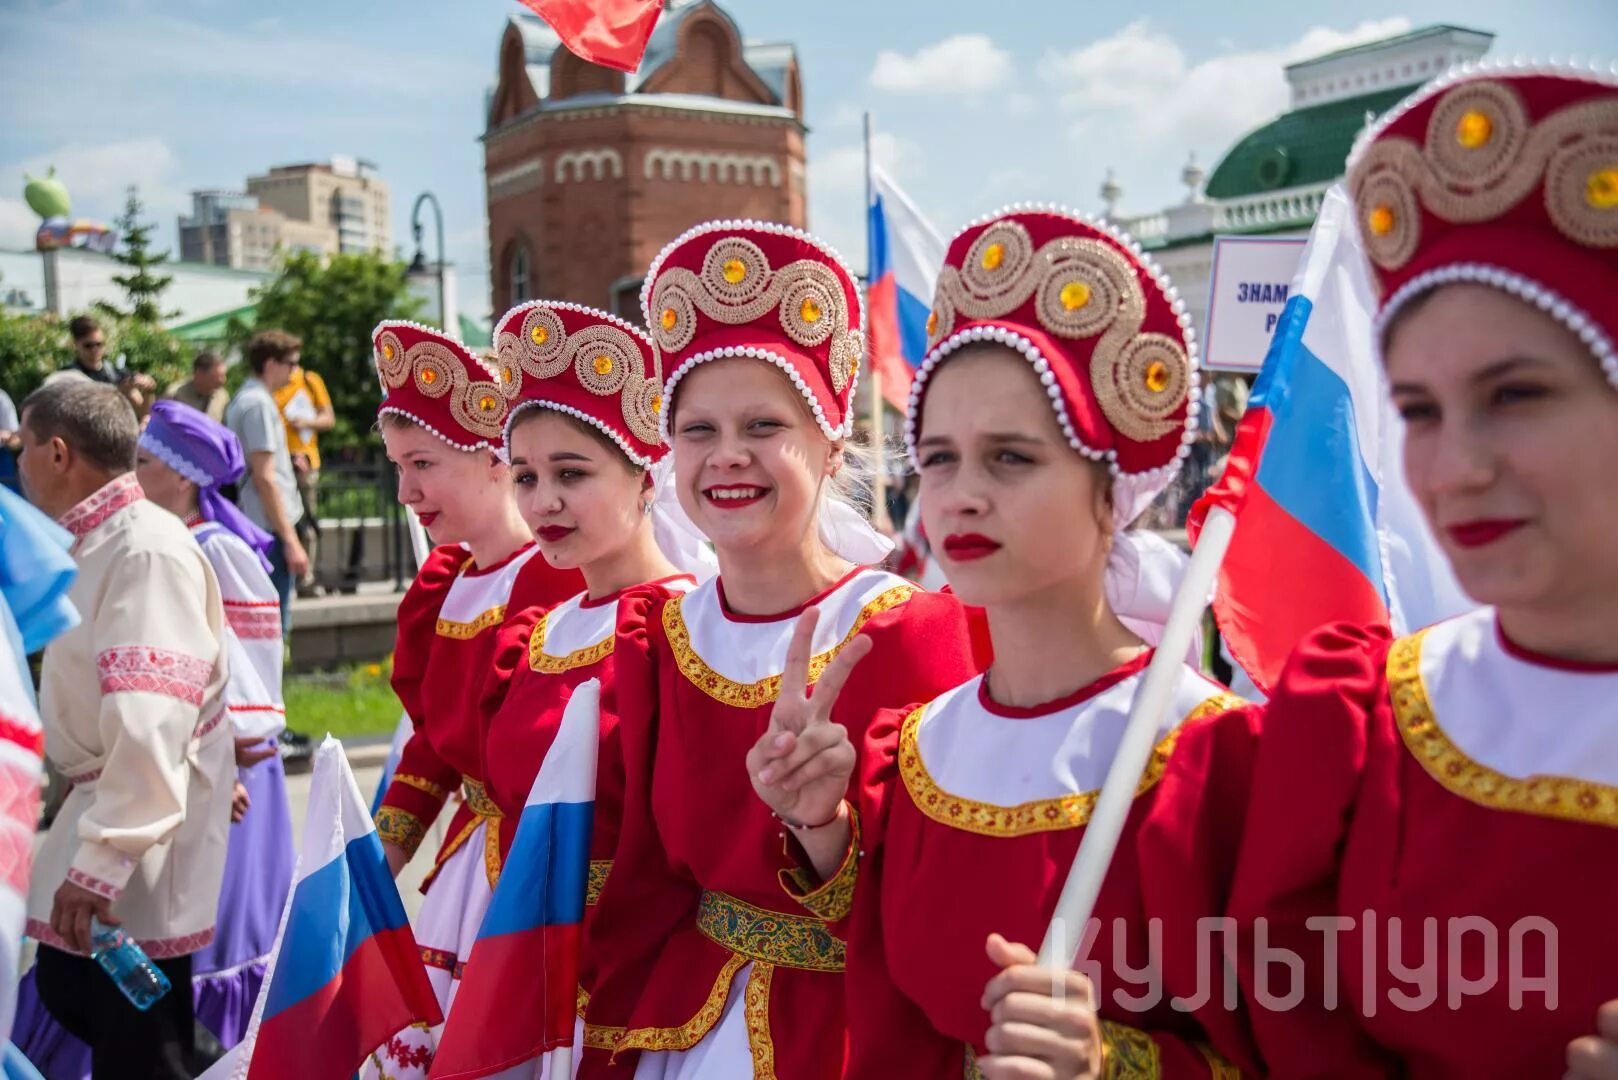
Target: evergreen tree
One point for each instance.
(142, 287)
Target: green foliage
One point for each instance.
(142, 288)
(33, 346)
(333, 305)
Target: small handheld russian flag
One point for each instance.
(524, 966)
(346, 973)
(905, 254)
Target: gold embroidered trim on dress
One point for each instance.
(691, 1032)
(752, 695)
(1217, 1065)
(972, 1071)
(542, 661)
(834, 898)
(756, 1011)
(791, 941)
(462, 631)
(1128, 1053)
(484, 812)
(421, 783)
(1038, 815)
(597, 880)
(1563, 797)
(400, 827)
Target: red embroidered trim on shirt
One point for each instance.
(157, 949)
(141, 669)
(254, 620)
(94, 884)
(84, 778)
(107, 501)
(208, 724)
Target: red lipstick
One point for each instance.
(552, 533)
(965, 547)
(1475, 534)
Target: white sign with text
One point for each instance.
(1252, 278)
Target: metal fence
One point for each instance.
(360, 528)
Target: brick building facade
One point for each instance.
(590, 172)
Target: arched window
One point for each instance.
(519, 276)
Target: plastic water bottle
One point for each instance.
(140, 980)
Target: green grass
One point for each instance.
(350, 702)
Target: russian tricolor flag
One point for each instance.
(346, 973)
(905, 254)
(524, 967)
(1326, 528)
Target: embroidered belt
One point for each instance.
(477, 799)
(791, 941)
(484, 812)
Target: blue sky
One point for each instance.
(975, 104)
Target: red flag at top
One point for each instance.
(612, 33)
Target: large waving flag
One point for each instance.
(905, 254)
(612, 33)
(1326, 528)
(346, 973)
(524, 966)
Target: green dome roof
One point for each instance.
(1305, 146)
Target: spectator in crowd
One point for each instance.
(90, 351)
(130, 700)
(306, 408)
(269, 492)
(90, 362)
(205, 390)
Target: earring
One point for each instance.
(645, 507)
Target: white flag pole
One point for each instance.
(1078, 900)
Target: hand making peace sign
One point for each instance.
(801, 765)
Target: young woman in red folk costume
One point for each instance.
(1433, 819)
(585, 452)
(442, 417)
(1055, 405)
(703, 966)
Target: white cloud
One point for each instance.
(17, 224)
(842, 168)
(961, 64)
(97, 177)
(1138, 94)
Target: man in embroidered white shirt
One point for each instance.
(131, 701)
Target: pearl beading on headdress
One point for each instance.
(785, 364)
(1042, 365)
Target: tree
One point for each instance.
(31, 347)
(142, 287)
(333, 306)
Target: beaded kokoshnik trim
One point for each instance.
(1042, 365)
(787, 364)
(1396, 172)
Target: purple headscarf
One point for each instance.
(208, 454)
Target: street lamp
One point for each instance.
(419, 263)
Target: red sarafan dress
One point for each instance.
(550, 656)
(442, 665)
(969, 814)
(1456, 798)
(698, 952)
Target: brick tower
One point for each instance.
(590, 172)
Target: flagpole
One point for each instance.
(1077, 902)
(879, 481)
